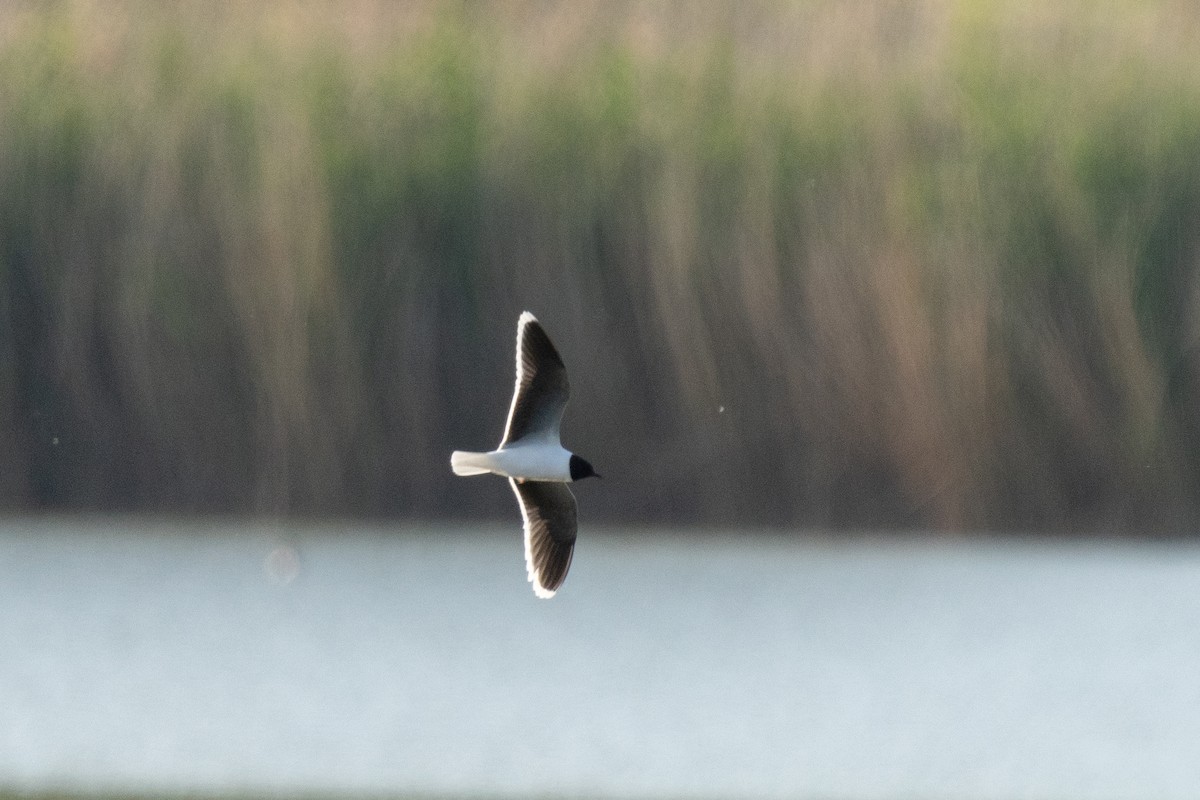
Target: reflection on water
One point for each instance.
(342, 658)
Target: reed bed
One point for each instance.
(902, 264)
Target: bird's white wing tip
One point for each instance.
(525, 318)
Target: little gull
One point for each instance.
(533, 459)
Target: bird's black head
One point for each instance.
(581, 469)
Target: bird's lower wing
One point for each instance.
(549, 511)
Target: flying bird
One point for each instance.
(533, 459)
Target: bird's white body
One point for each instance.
(538, 460)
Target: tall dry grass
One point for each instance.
(895, 264)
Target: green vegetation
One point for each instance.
(816, 263)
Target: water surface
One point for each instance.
(228, 657)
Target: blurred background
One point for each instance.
(904, 264)
(815, 268)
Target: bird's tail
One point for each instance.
(464, 463)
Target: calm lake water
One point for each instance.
(228, 657)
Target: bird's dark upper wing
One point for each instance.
(542, 388)
(549, 511)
